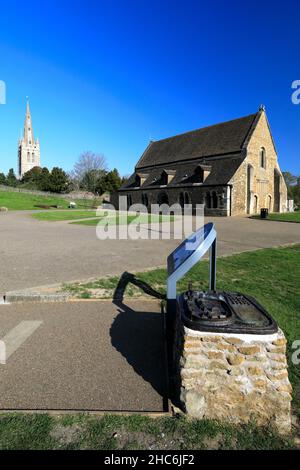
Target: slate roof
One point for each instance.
(222, 170)
(220, 139)
(219, 147)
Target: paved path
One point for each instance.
(35, 253)
(83, 356)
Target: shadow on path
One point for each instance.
(139, 336)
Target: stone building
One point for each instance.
(28, 147)
(230, 167)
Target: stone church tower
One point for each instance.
(28, 148)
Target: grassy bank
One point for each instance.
(24, 201)
(41, 431)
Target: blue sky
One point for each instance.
(108, 76)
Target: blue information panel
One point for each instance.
(188, 247)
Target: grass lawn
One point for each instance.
(286, 217)
(271, 275)
(124, 220)
(24, 201)
(41, 431)
(71, 214)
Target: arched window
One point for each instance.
(28, 156)
(262, 157)
(162, 198)
(32, 157)
(214, 200)
(269, 203)
(181, 199)
(255, 209)
(145, 199)
(186, 198)
(129, 201)
(250, 179)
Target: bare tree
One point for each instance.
(89, 162)
(87, 170)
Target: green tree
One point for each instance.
(2, 178)
(289, 178)
(32, 176)
(293, 187)
(37, 178)
(294, 193)
(44, 182)
(59, 181)
(111, 182)
(11, 179)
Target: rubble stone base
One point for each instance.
(235, 378)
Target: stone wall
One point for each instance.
(234, 378)
(262, 186)
(196, 195)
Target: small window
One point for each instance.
(214, 200)
(145, 199)
(208, 200)
(262, 155)
(186, 198)
(129, 201)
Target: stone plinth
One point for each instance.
(235, 378)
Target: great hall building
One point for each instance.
(230, 167)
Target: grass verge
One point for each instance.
(110, 432)
(121, 219)
(71, 214)
(286, 217)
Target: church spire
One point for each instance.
(28, 148)
(28, 131)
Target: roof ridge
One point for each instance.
(205, 127)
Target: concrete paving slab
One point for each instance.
(85, 356)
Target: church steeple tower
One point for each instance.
(28, 131)
(28, 148)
